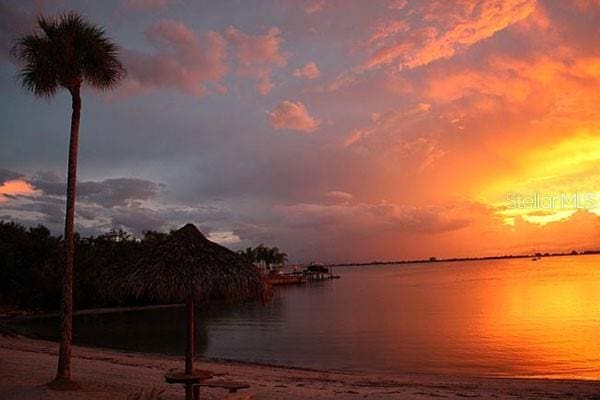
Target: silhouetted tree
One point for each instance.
(267, 257)
(28, 260)
(152, 237)
(67, 53)
(249, 254)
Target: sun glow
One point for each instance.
(549, 183)
(552, 302)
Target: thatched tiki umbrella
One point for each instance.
(187, 267)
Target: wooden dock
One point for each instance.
(312, 273)
(285, 279)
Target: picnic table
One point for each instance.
(190, 380)
(231, 386)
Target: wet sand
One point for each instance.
(26, 365)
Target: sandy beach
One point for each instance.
(26, 365)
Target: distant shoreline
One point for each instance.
(456, 259)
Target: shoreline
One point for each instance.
(463, 259)
(23, 314)
(248, 363)
(28, 364)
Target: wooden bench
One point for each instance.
(196, 376)
(232, 386)
(190, 381)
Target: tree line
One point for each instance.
(265, 257)
(31, 262)
(31, 266)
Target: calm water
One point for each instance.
(507, 318)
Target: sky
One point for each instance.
(338, 131)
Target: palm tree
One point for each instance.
(276, 257)
(68, 52)
(280, 258)
(249, 254)
(262, 256)
(271, 256)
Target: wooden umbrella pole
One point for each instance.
(189, 359)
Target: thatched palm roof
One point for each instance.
(187, 264)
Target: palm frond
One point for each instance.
(68, 51)
(38, 74)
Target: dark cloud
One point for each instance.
(117, 192)
(54, 213)
(7, 175)
(49, 187)
(137, 220)
(347, 230)
(87, 212)
(135, 205)
(107, 193)
(367, 218)
(49, 210)
(201, 213)
(101, 205)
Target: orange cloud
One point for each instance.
(294, 116)
(257, 49)
(586, 4)
(456, 26)
(517, 80)
(385, 30)
(196, 64)
(15, 187)
(257, 55)
(488, 235)
(337, 196)
(309, 71)
(343, 80)
(392, 129)
(183, 60)
(397, 4)
(313, 6)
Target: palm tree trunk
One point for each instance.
(63, 372)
